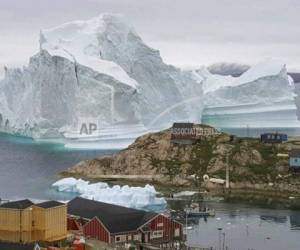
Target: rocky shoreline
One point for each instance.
(153, 158)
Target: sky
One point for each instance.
(188, 33)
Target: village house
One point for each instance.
(294, 159)
(273, 137)
(49, 221)
(189, 133)
(183, 133)
(24, 221)
(117, 225)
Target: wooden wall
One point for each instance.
(38, 223)
(50, 224)
(15, 224)
(95, 230)
(168, 226)
(56, 223)
(33, 224)
(73, 225)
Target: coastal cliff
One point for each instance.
(154, 158)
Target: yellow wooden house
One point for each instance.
(24, 221)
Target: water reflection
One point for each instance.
(274, 218)
(295, 221)
(244, 227)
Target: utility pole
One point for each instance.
(20, 226)
(247, 129)
(186, 223)
(227, 171)
(220, 240)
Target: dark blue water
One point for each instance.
(27, 168)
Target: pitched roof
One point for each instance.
(295, 153)
(115, 218)
(49, 204)
(16, 246)
(21, 204)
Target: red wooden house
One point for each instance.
(118, 225)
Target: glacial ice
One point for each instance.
(134, 197)
(77, 41)
(96, 72)
(265, 69)
(99, 72)
(262, 97)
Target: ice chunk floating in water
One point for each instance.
(134, 197)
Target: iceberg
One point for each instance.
(96, 76)
(133, 197)
(262, 97)
(96, 84)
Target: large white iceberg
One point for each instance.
(134, 197)
(97, 83)
(97, 72)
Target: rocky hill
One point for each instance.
(155, 158)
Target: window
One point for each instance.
(157, 234)
(177, 232)
(160, 224)
(120, 238)
(137, 237)
(129, 237)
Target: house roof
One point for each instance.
(273, 133)
(182, 125)
(49, 204)
(115, 218)
(16, 246)
(295, 153)
(21, 204)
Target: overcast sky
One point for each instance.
(189, 33)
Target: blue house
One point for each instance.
(294, 159)
(273, 137)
